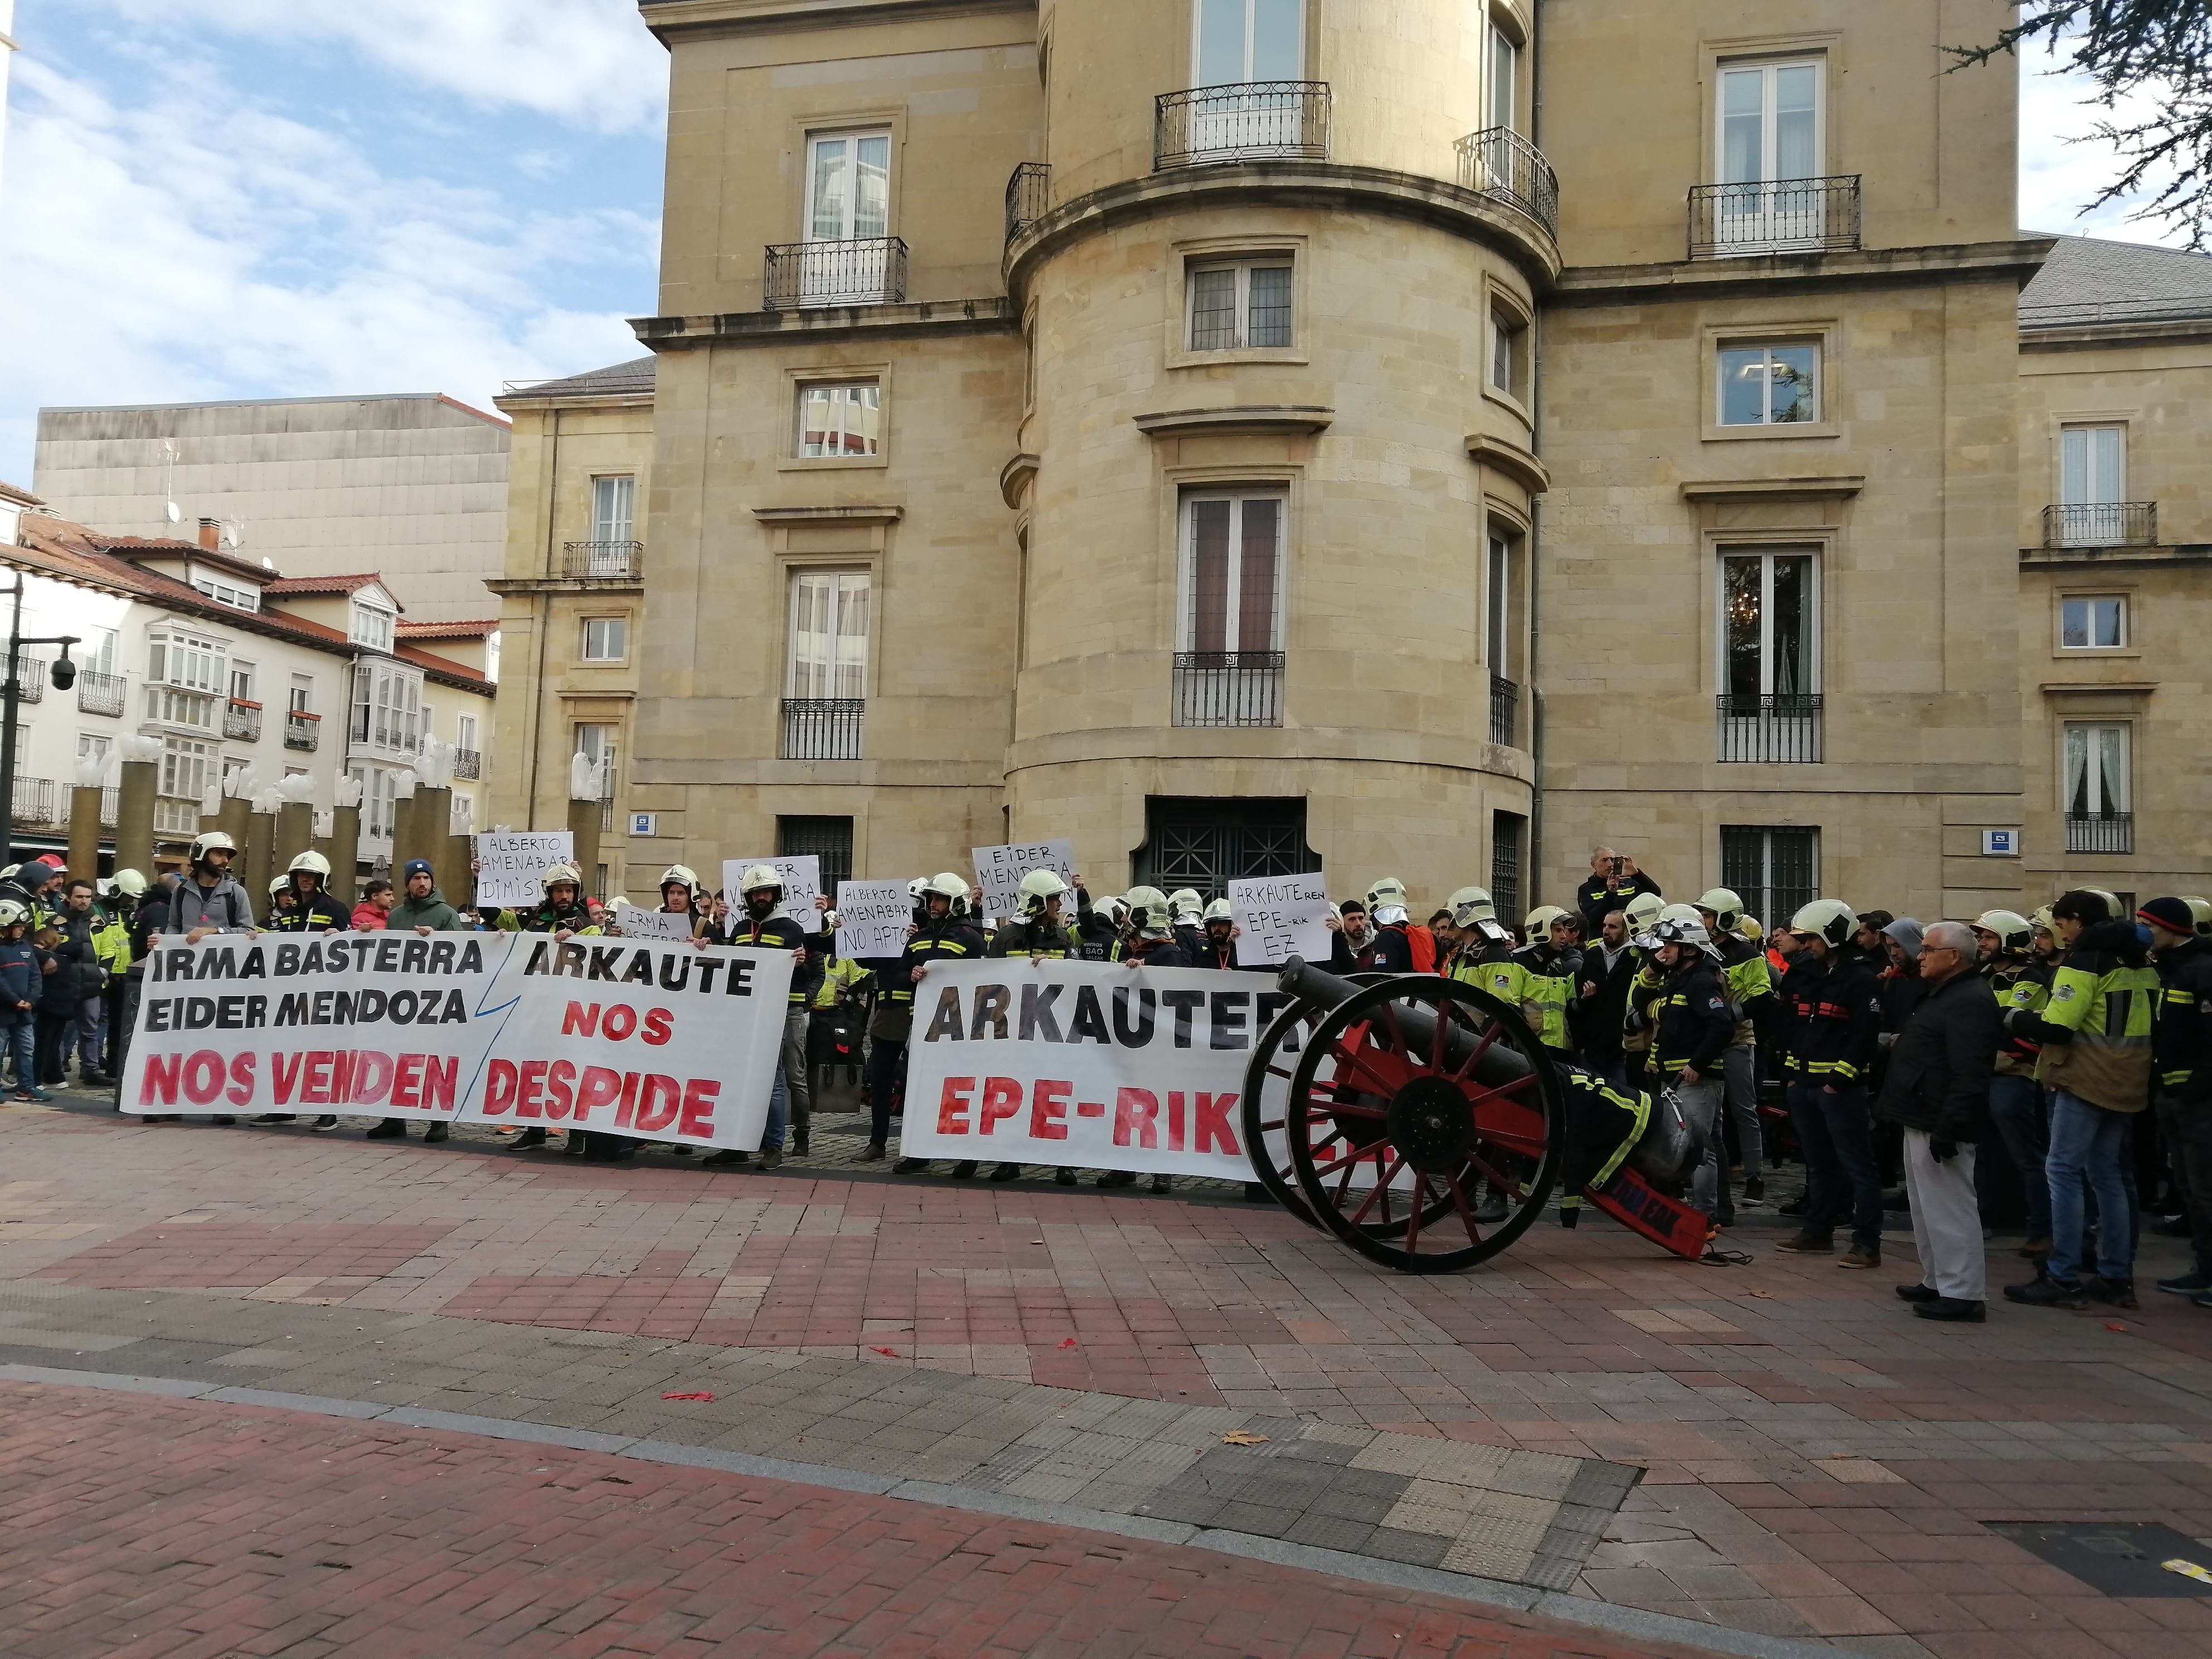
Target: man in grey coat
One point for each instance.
(1938, 1089)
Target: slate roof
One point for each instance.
(2088, 281)
(634, 378)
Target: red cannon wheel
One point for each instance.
(1266, 1103)
(1412, 1098)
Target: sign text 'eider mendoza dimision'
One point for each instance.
(665, 1042)
(1102, 1067)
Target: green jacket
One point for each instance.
(429, 911)
(111, 943)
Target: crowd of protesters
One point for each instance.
(2048, 1069)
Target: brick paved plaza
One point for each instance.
(959, 1418)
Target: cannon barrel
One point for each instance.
(1323, 991)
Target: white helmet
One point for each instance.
(1726, 908)
(560, 873)
(1470, 905)
(12, 912)
(1642, 911)
(1038, 887)
(1389, 891)
(130, 881)
(1540, 920)
(1150, 910)
(2199, 907)
(309, 863)
(953, 886)
(760, 876)
(279, 884)
(917, 888)
(683, 874)
(1185, 902)
(1669, 930)
(2013, 931)
(1114, 906)
(1831, 919)
(209, 842)
(1219, 911)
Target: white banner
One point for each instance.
(664, 1043)
(1098, 1065)
(802, 885)
(511, 865)
(1281, 916)
(873, 917)
(1000, 870)
(636, 923)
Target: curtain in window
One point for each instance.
(614, 509)
(851, 187)
(1255, 619)
(829, 633)
(1792, 625)
(1209, 576)
(2111, 769)
(1795, 89)
(2077, 770)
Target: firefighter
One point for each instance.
(1218, 948)
(1152, 942)
(679, 897)
(1831, 1030)
(2018, 977)
(944, 935)
(1097, 926)
(1041, 934)
(1188, 910)
(300, 905)
(758, 925)
(1692, 1028)
(1388, 946)
(1478, 940)
(1539, 978)
(1750, 988)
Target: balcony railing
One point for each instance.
(110, 801)
(606, 561)
(1498, 162)
(1780, 215)
(468, 763)
(242, 719)
(34, 801)
(99, 693)
(2101, 523)
(1250, 120)
(302, 730)
(2100, 832)
(1783, 729)
(821, 728)
(869, 271)
(31, 678)
(1229, 688)
(1029, 193)
(1504, 711)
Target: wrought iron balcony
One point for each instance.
(1229, 688)
(31, 678)
(99, 693)
(302, 730)
(468, 763)
(606, 561)
(1498, 162)
(1784, 729)
(868, 271)
(242, 719)
(111, 803)
(1246, 121)
(821, 728)
(2100, 832)
(34, 801)
(1029, 193)
(1778, 216)
(2101, 523)
(1504, 711)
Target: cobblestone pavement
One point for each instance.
(190, 1528)
(1817, 1464)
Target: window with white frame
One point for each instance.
(829, 620)
(301, 698)
(387, 707)
(1768, 385)
(170, 707)
(1502, 78)
(98, 651)
(1239, 41)
(372, 625)
(1244, 303)
(464, 733)
(1232, 572)
(241, 681)
(1508, 351)
(840, 422)
(1770, 624)
(1770, 122)
(186, 770)
(2092, 622)
(92, 746)
(2096, 759)
(606, 639)
(1499, 606)
(847, 185)
(380, 788)
(601, 745)
(189, 662)
(2093, 485)
(614, 508)
(230, 594)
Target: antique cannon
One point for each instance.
(1420, 1121)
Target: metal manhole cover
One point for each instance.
(2119, 1558)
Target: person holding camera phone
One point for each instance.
(1614, 881)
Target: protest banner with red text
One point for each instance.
(1101, 1066)
(662, 1041)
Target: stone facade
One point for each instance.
(1510, 510)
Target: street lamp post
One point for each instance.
(64, 676)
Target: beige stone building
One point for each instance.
(1244, 434)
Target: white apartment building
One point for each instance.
(230, 664)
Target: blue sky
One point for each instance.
(242, 198)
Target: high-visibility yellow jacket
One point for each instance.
(2096, 1028)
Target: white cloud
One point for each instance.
(590, 62)
(2062, 168)
(157, 254)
